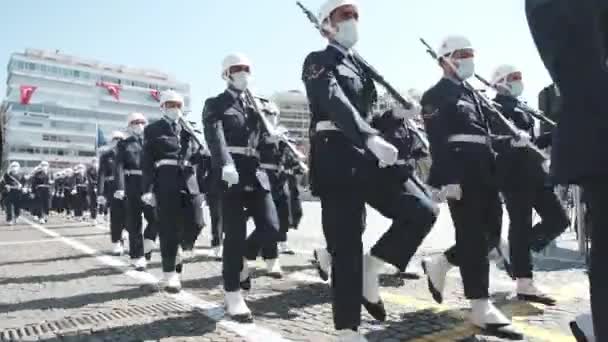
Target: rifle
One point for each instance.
(375, 75)
(270, 129)
(522, 105)
(489, 104)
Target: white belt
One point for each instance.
(246, 151)
(270, 167)
(171, 162)
(133, 173)
(108, 179)
(81, 185)
(326, 126)
(401, 162)
(42, 186)
(469, 138)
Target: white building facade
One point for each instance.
(70, 99)
(295, 115)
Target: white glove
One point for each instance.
(452, 191)
(386, 153)
(272, 139)
(230, 175)
(149, 198)
(411, 113)
(74, 192)
(438, 195)
(101, 200)
(522, 140)
(119, 194)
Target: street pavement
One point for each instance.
(59, 283)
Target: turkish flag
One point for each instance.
(26, 94)
(155, 94)
(113, 89)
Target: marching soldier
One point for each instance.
(233, 132)
(68, 189)
(79, 192)
(106, 188)
(345, 170)
(170, 184)
(571, 39)
(58, 192)
(41, 187)
(128, 176)
(525, 185)
(463, 168)
(13, 183)
(92, 178)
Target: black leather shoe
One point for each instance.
(179, 268)
(244, 318)
(376, 310)
(541, 299)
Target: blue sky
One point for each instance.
(189, 38)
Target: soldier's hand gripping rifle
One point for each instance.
(270, 129)
(489, 104)
(375, 75)
(523, 106)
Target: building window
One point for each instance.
(86, 153)
(30, 124)
(31, 66)
(76, 73)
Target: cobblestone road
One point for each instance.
(57, 283)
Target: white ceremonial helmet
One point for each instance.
(507, 79)
(331, 5)
(453, 43)
(171, 96)
(136, 117)
(234, 59)
(118, 135)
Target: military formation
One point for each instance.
(485, 157)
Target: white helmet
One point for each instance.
(232, 60)
(503, 71)
(415, 94)
(118, 135)
(136, 117)
(170, 96)
(331, 5)
(14, 165)
(44, 163)
(453, 43)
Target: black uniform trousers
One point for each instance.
(118, 212)
(595, 194)
(13, 204)
(295, 203)
(80, 200)
(93, 205)
(135, 208)
(178, 215)
(43, 197)
(260, 206)
(215, 212)
(477, 219)
(281, 202)
(554, 220)
(68, 201)
(343, 216)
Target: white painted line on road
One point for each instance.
(31, 242)
(251, 332)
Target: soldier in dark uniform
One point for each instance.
(41, 187)
(233, 131)
(294, 171)
(213, 201)
(128, 176)
(79, 192)
(170, 184)
(571, 37)
(57, 183)
(550, 102)
(13, 184)
(345, 162)
(68, 190)
(525, 184)
(106, 188)
(464, 170)
(92, 178)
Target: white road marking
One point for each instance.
(251, 332)
(31, 242)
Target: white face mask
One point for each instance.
(173, 113)
(137, 129)
(240, 80)
(45, 169)
(13, 170)
(347, 33)
(516, 88)
(465, 67)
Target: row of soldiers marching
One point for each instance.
(70, 192)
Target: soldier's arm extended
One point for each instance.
(325, 93)
(214, 134)
(147, 161)
(119, 167)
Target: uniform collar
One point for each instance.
(341, 49)
(235, 94)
